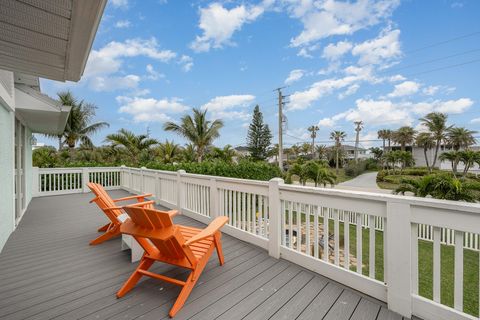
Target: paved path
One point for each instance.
(364, 182)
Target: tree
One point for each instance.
(383, 134)
(306, 148)
(295, 150)
(377, 153)
(134, 145)
(459, 137)
(322, 151)
(338, 137)
(259, 136)
(167, 151)
(436, 123)
(403, 136)
(198, 130)
(189, 154)
(405, 158)
(468, 158)
(44, 157)
(225, 154)
(79, 122)
(453, 157)
(426, 141)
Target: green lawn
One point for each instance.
(425, 269)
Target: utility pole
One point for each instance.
(313, 134)
(280, 128)
(358, 128)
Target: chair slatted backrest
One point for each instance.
(104, 202)
(158, 227)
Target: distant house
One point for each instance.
(242, 151)
(349, 152)
(419, 157)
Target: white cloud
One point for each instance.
(327, 18)
(107, 83)
(350, 90)
(430, 90)
(150, 109)
(476, 120)
(119, 3)
(152, 73)
(186, 62)
(405, 88)
(294, 76)
(304, 53)
(223, 106)
(218, 24)
(454, 106)
(396, 78)
(335, 51)
(122, 24)
(384, 48)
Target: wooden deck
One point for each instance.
(48, 271)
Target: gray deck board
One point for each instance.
(48, 271)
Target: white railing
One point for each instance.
(374, 243)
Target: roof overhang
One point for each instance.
(41, 113)
(49, 38)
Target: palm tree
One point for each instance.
(325, 176)
(468, 158)
(338, 137)
(426, 141)
(198, 130)
(322, 151)
(225, 154)
(168, 151)
(403, 136)
(459, 137)
(295, 150)
(306, 148)
(79, 126)
(436, 123)
(389, 135)
(384, 135)
(453, 157)
(188, 153)
(134, 145)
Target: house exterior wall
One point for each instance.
(7, 192)
(28, 165)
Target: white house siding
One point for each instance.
(7, 198)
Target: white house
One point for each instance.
(48, 39)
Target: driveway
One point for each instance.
(364, 182)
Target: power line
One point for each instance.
(444, 68)
(444, 42)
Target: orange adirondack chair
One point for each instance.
(114, 213)
(166, 242)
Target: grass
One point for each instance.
(425, 267)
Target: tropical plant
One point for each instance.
(325, 176)
(436, 123)
(295, 150)
(453, 157)
(306, 148)
(377, 153)
(459, 137)
(468, 158)
(167, 152)
(135, 146)
(321, 150)
(259, 136)
(426, 141)
(44, 157)
(297, 170)
(441, 186)
(405, 158)
(383, 134)
(197, 129)
(188, 153)
(403, 136)
(338, 137)
(227, 153)
(79, 126)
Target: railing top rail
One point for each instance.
(382, 197)
(80, 168)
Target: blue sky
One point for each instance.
(384, 62)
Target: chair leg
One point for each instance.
(104, 228)
(145, 264)
(183, 296)
(112, 233)
(218, 245)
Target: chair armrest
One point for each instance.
(142, 204)
(172, 213)
(209, 231)
(133, 197)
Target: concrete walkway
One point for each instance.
(364, 182)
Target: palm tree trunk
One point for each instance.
(59, 143)
(336, 162)
(436, 153)
(426, 159)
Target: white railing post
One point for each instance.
(274, 212)
(179, 190)
(214, 211)
(398, 255)
(35, 182)
(123, 169)
(142, 184)
(158, 188)
(85, 180)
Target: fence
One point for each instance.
(370, 242)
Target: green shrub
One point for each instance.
(245, 169)
(353, 169)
